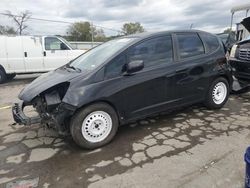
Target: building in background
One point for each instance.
(241, 31)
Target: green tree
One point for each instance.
(82, 31)
(132, 28)
(99, 35)
(228, 30)
(7, 30)
(79, 31)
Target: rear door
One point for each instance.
(55, 53)
(33, 54)
(3, 53)
(15, 54)
(190, 78)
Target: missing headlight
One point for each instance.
(52, 100)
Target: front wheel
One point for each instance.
(218, 93)
(3, 76)
(94, 125)
(11, 76)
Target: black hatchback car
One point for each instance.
(127, 79)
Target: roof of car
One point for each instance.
(148, 34)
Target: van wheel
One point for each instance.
(3, 76)
(218, 93)
(11, 76)
(94, 126)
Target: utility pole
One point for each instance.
(191, 26)
(92, 34)
(231, 24)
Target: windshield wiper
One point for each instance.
(72, 67)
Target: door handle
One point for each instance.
(44, 53)
(25, 54)
(181, 70)
(169, 75)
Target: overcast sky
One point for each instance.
(208, 15)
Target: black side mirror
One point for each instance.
(134, 66)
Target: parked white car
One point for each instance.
(33, 54)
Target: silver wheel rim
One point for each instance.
(96, 126)
(219, 93)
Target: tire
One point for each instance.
(11, 76)
(218, 93)
(94, 125)
(3, 76)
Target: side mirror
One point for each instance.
(134, 66)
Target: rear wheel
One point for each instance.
(11, 76)
(218, 93)
(3, 76)
(94, 126)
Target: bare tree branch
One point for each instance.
(20, 19)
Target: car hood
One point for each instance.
(246, 23)
(45, 82)
(246, 40)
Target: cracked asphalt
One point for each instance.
(188, 147)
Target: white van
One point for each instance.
(33, 54)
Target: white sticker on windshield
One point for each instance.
(124, 40)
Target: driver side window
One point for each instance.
(116, 66)
(53, 43)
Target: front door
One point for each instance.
(55, 53)
(3, 53)
(149, 90)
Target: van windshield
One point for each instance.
(96, 56)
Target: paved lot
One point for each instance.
(190, 147)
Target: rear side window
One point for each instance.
(189, 45)
(210, 41)
(153, 51)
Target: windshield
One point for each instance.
(96, 56)
(223, 37)
(67, 43)
(247, 38)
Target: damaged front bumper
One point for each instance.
(58, 119)
(21, 118)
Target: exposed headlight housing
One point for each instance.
(54, 95)
(233, 50)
